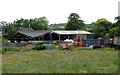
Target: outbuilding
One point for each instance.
(30, 35)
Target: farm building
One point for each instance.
(30, 35)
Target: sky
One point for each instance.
(58, 11)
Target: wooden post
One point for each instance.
(43, 38)
(31, 39)
(68, 36)
(51, 37)
(59, 37)
(34, 38)
(39, 38)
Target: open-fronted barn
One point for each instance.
(30, 35)
(72, 34)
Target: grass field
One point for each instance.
(59, 61)
(0, 55)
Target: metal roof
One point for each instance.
(35, 33)
(32, 33)
(71, 32)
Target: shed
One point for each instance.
(28, 34)
(71, 34)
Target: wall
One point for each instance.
(82, 36)
(15, 44)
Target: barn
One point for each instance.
(30, 35)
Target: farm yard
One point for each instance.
(101, 60)
(54, 51)
(35, 46)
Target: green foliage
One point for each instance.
(117, 18)
(107, 35)
(36, 24)
(90, 29)
(4, 40)
(115, 30)
(39, 23)
(11, 32)
(74, 22)
(101, 27)
(40, 43)
(39, 47)
(13, 50)
(8, 49)
(99, 31)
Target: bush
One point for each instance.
(8, 49)
(40, 43)
(39, 47)
(4, 40)
(51, 47)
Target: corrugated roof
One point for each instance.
(72, 32)
(32, 33)
(35, 33)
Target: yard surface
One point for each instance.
(104, 60)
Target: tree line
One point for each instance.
(102, 27)
(36, 24)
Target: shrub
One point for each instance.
(39, 47)
(4, 40)
(40, 43)
(8, 49)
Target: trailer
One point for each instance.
(97, 43)
(116, 42)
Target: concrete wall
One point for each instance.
(14, 44)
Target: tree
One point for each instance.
(41, 23)
(74, 22)
(36, 24)
(90, 30)
(115, 30)
(4, 26)
(11, 32)
(117, 18)
(99, 31)
(101, 27)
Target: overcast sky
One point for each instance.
(57, 11)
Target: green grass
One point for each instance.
(0, 55)
(59, 61)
